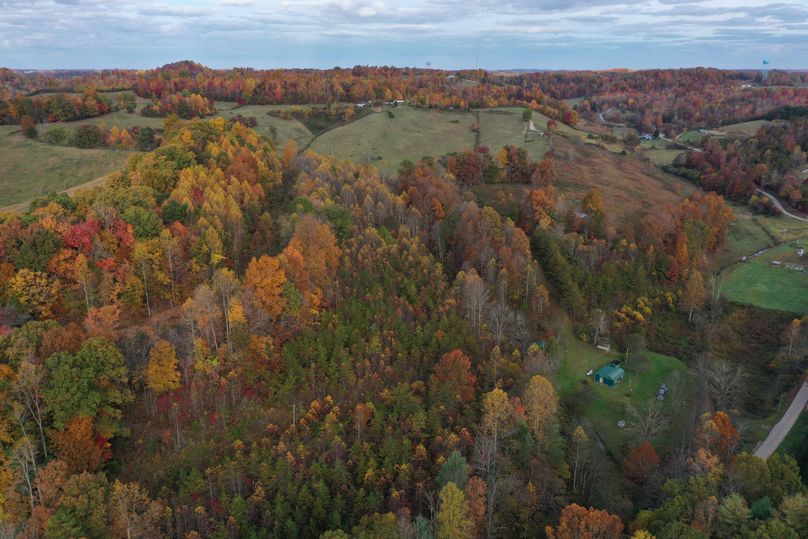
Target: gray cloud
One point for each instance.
(322, 33)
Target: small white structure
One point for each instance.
(776, 263)
(800, 251)
(646, 136)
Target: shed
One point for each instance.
(610, 375)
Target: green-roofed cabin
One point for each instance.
(610, 375)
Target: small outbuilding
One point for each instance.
(609, 375)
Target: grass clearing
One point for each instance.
(120, 119)
(745, 236)
(757, 282)
(269, 126)
(691, 138)
(29, 168)
(605, 406)
(411, 133)
(631, 188)
(784, 228)
(742, 129)
(661, 157)
(500, 128)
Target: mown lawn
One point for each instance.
(758, 283)
(605, 406)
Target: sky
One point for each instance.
(447, 34)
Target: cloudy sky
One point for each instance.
(497, 34)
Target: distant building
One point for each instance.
(646, 136)
(800, 251)
(610, 375)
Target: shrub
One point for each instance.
(87, 136)
(56, 135)
(28, 126)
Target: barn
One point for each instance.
(610, 375)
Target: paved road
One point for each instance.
(782, 428)
(780, 206)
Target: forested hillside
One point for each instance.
(232, 338)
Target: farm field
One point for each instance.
(757, 282)
(29, 168)
(605, 406)
(119, 118)
(742, 129)
(540, 122)
(501, 127)
(738, 130)
(411, 133)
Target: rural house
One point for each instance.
(610, 375)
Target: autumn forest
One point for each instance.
(583, 320)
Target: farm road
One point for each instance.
(778, 433)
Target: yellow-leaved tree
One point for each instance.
(266, 279)
(453, 517)
(161, 372)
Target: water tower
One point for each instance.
(764, 70)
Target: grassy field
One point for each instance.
(29, 168)
(121, 119)
(606, 405)
(411, 133)
(660, 157)
(745, 236)
(784, 228)
(631, 188)
(540, 122)
(692, 138)
(742, 129)
(283, 129)
(502, 127)
(757, 282)
(738, 130)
